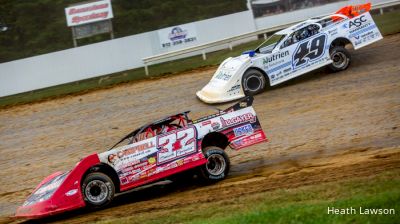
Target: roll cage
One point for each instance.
(157, 127)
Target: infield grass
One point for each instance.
(388, 23)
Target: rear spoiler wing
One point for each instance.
(352, 11)
(245, 102)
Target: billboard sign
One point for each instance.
(177, 35)
(89, 13)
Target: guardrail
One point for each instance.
(230, 40)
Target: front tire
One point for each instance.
(98, 189)
(253, 82)
(341, 59)
(217, 166)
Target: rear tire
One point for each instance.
(217, 166)
(341, 59)
(253, 82)
(98, 189)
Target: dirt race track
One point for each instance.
(322, 127)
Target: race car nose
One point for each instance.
(37, 210)
(209, 96)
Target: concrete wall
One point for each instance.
(107, 57)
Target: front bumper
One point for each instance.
(38, 210)
(43, 209)
(214, 97)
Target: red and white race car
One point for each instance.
(154, 151)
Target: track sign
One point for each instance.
(89, 13)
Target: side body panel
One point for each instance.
(361, 30)
(166, 154)
(154, 158)
(242, 127)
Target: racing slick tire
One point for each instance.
(217, 166)
(98, 189)
(341, 59)
(253, 82)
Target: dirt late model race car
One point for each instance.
(151, 153)
(292, 52)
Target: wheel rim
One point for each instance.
(216, 164)
(253, 83)
(96, 191)
(339, 59)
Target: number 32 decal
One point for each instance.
(176, 144)
(309, 50)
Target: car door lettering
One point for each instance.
(309, 50)
(176, 144)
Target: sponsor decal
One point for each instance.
(277, 68)
(152, 160)
(235, 87)
(223, 76)
(366, 37)
(179, 162)
(243, 130)
(357, 22)
(363, 29)
(71, 192)
(333, 32)
(248, 117)
(205, 123)
(215, 126)
(275, 57)
(249, 140)
(243, 104)
(177, 33)
(140, 165)
(130, 151)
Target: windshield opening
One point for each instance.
(268, 45)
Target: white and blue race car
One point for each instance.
(292, 52)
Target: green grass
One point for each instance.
(388, 23)
(300, 205)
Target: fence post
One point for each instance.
(203, 52)
(146, 69)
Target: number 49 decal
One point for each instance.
(309, 50)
